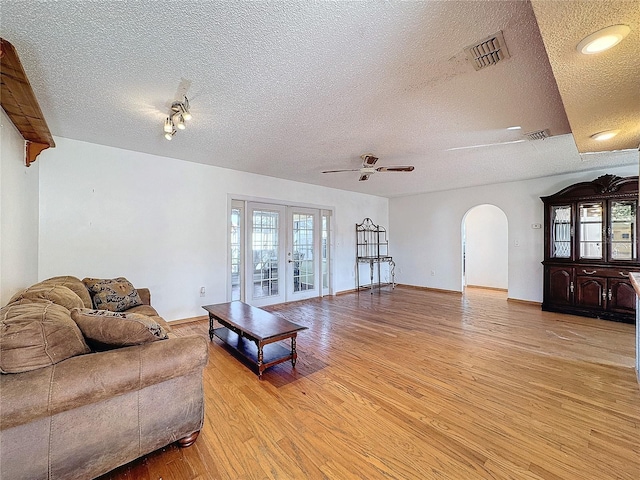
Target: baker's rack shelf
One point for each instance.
(372, 247)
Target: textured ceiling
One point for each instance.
(288, 89)
(600, 92)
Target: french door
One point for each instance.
(265, 254)
(303, 253)
(282, 252)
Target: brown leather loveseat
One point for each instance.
(92, 379)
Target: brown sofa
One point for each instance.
(82, 416)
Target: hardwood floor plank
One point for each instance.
(414, 384)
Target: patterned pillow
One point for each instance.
(105, 329)
(116, 295)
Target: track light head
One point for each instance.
(176, 119)
(168, 125)
(169, 135)
(186, 114)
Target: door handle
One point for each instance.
(609, 294)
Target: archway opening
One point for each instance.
(485, 247)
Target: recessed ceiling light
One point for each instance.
(514, 128)
(606, 135)
(603, 39)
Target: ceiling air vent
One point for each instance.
(538, 134)
(487, 51)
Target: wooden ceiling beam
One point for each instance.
(20, 103)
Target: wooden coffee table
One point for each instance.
(252, 332)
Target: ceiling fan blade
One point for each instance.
(398, 168)
(368, 160)
(364, 176)
(337, 171)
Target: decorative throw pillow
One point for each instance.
(37, 334)
(105, 329)
(116, 295)
(57, 294)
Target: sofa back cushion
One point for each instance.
(36, 334)
(58, 294)
(116, 295)
(104, 329)
(74, 284)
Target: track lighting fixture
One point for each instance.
(176, 119)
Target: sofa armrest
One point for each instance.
(90, 378)
(145, 295)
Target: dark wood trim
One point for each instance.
(201, 318)
(344, 292)
(497, 289)
(20, 104)
(524, 302)
(603, 187)
(430, 289)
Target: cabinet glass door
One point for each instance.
(622, 230)
(561, 231)
(590, 228)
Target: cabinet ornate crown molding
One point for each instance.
(591, 247)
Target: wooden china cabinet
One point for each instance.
(591, 245)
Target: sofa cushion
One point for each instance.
(74, 284)
(88, 379)
(147, 310)
(58, 294)
(37, 334)
(116, 294)
(105, 329)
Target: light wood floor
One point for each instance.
(415, 384)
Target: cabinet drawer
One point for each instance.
(603, 272)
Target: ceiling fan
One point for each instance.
(368, 169)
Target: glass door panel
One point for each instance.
(590, 230)
(325, 250)
(235, 243)
(265, 272)
(622, 230)
(303, 258)
(561, 231)
(303, 255)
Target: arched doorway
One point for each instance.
(485, 247)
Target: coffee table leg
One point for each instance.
(294, 354)
(210, 327)
(260, 360)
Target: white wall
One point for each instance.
(18, 213)
(162, 223)
(486, 233)
(426, 231)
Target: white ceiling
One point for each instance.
(290, 89)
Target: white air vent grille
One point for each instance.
(487, 51)
(538, 134)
